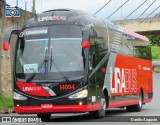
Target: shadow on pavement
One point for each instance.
(86, 117)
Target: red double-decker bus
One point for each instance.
(70, 61)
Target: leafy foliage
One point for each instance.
(5, 102)
(155, 52)
(155, 39)
(157, 15)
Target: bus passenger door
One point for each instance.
(92, 77)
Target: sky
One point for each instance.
(92, 6)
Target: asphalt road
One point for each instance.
(113, 116)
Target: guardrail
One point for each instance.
(156, 63)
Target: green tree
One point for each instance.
(155, 39)
(157, 15)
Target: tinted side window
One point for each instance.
(115, 40)
(127, 50)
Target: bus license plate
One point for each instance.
(46, 106)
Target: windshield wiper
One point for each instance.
(44, 61)
(57, 67)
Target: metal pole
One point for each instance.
(147, 8)
(133, 11)
(150, 13)
(121, 9)
(33, 6)
(102, 7)
(41, 5)
(25, 5)
(117, 9)
(17, 3)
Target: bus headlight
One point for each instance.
(19, 97)
(81, 94)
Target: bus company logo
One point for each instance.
(28, 89)
(12, 12)
(52, 18)
(123, 80)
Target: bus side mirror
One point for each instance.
(7, 37)
(86, 37)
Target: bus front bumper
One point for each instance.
(57, 109)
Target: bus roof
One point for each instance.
(136, 35)
(76, 16)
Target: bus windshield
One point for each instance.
(50, 52)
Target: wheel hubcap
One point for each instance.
(140, 101)
(103, 103)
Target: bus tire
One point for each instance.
(137, 107)
(44, 117)
(102, 112)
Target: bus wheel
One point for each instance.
(102, 112)
(138, 107)
(44, 117)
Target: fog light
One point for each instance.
(80, 103)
